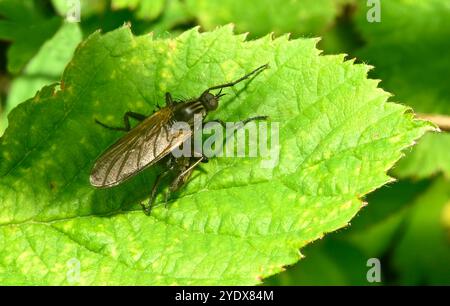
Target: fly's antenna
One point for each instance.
(220, 94)
(257, 70)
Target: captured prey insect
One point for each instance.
(153, 140)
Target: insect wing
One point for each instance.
(142, 147)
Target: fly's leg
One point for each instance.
(204, 158)
(176, 184)
(126, 122)
(221, 122)
(169, 100)
(257, 70)
(240, 123)
(182, 178)
(244, 122)
(148, 208)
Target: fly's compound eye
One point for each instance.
(209, 101)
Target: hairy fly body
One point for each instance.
(153, 139)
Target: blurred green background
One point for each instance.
(406, 224)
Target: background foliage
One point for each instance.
(407, 223)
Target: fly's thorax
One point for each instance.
(185, 112)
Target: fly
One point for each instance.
(153, 139)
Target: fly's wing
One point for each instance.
(143, 146)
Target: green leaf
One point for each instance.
(44, 69)
(87, 7)
(341, 258)
(144, 9)
(411, 56)
(342, 36)
(26, 26)
(376, 229)
(235, 222)
(329, 262)
(174, 17)
(304, 17)
(428, 158)
(164, 18)
(422, 255)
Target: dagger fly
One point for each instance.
(153, 139)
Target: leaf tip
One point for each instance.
(368, 66)
(194, 30)
(316, 40)
(228, 28)
(245, 35)
(300, 255)
(127, 25)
